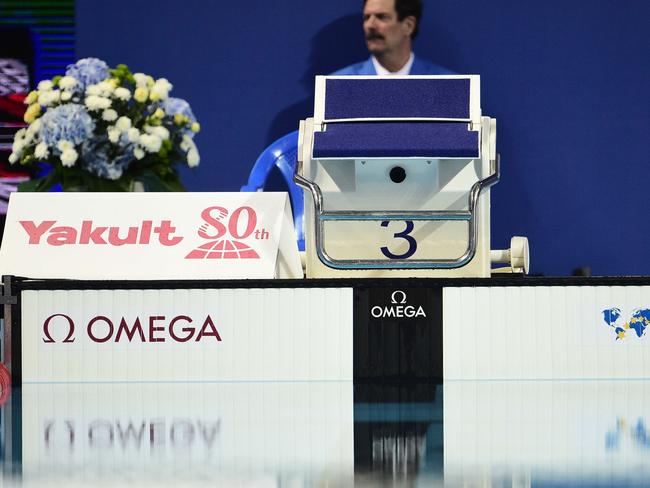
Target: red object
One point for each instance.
(5, 384)
(12, 110)
(13, 105)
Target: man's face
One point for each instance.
(383, 31)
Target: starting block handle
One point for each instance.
(469, 216)
(396, 215)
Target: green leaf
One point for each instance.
(30, 185)
(153, 182)
(39, 184)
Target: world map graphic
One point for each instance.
(637, 323)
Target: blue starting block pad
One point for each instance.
(396, 140)
(424, 98)
(399, 115)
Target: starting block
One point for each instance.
(399, 171)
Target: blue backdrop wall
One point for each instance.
(567, 80)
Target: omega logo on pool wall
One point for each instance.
(398, 308)
(398, 331)
(157, 328)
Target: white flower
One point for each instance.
(35, 126)
(64, 146)
(69, 157)
(28, 137)
(138, 153)
(163, 84)
(189, 147)
(140, 80)
(193, 158)
(19, 142)
(45, 85)
(67, 82)
(122, 93)
(158, 131)
(13, 157)
(123, 123)
(140, 94)
(18, 146)
(160, 89)
(133, 134)
(94, 102)
(150, 142)
(114, 134)
(94, 90)
(41, 150)
(65, 96)
(47, 98)
(106, 87)
(109, 115)
(187, 143)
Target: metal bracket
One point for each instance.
(7, 298)
(469, 216)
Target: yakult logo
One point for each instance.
(154, 328)
(90, 233)
(225, 233)
(398, 308)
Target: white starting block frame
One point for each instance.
(358, 155)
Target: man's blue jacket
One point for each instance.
(419, 67)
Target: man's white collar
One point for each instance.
(381, 71)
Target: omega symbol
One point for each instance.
(398, 293)
(46, 329)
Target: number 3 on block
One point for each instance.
(406, 235)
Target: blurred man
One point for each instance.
(390, 27)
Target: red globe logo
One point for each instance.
(240, 225)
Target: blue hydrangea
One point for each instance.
(173, 106)
(87, 71)
(104, 160)
(69, 122)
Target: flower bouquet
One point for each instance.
(103, 129)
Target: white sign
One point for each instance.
(542, 332)
(187, 335)
(150, 236)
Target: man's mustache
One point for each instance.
(372, 35)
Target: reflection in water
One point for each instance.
(265, 434)
(547, 433)
(637, 433)
(398, 431)
(505, 434)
